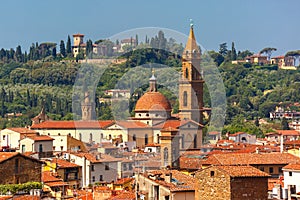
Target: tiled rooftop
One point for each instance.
(72, 124)
(64, 163)
(242, 171)
(293, 166)
(180, 181)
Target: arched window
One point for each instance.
(134, 137)
(146, 139)
(182, 141)
(157, 135)
(184, 98)
(166, 156)
(195, 140)
(80, 136)
(186, 73)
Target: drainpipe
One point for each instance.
(281, 143)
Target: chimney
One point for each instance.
(281, 143)
(168, 177)
(256, 150)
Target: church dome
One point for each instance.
(153, 101)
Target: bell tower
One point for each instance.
(191, 81)
(87, 107)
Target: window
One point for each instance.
(125, 167)
(166, 156)
(195, 140)
(182, 141)
(146, 139)
(212, 173)
(92, 167)
(290, 173)
(184, 98)
(17, 163)
(40, 148)
(101, 178)
(61, 148)
(80, 136)
(23, 148)
(262, 169)
(48, 133)
(58, 134)
(3, 137)
(280, 169)
(134, 137)
(53, 148)
(186, 73)
(101, 135)
(91, 137)
(271, 170)
(107, 166)
(93, 178)
(130, 166)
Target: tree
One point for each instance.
(233, 52)
(284, 124)
(89, 48)
(69, 47)
(54, 52)
(217, 57)
(294, 54)
(223, 49)
(268, 51)
(136, 40)
(62, 48)
(18, 54)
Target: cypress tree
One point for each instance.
(62, 48)
(69, 47)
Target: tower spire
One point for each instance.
(191, 49)
(152, 82)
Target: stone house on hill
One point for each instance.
(231, 182)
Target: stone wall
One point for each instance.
(249, 188)
(212, 184)
(20, 170)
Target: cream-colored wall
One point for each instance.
(28, 145)
(47, 145)
(11, 138)
(33, 146)
(183, 195)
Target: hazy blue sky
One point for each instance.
(251, 24)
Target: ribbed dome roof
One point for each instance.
(153, 101)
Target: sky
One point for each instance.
(250, 24)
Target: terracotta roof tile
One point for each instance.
(64, 163)
(41, 138)
(180, 181)
(153, 101)
(292, 166)
(102, 157)
(243, 171)
(6, 155)
(255, 158)
(23, 130)
(132, 124)
(72, 124)
(123, 181)
(125, 195)
(288, 132)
